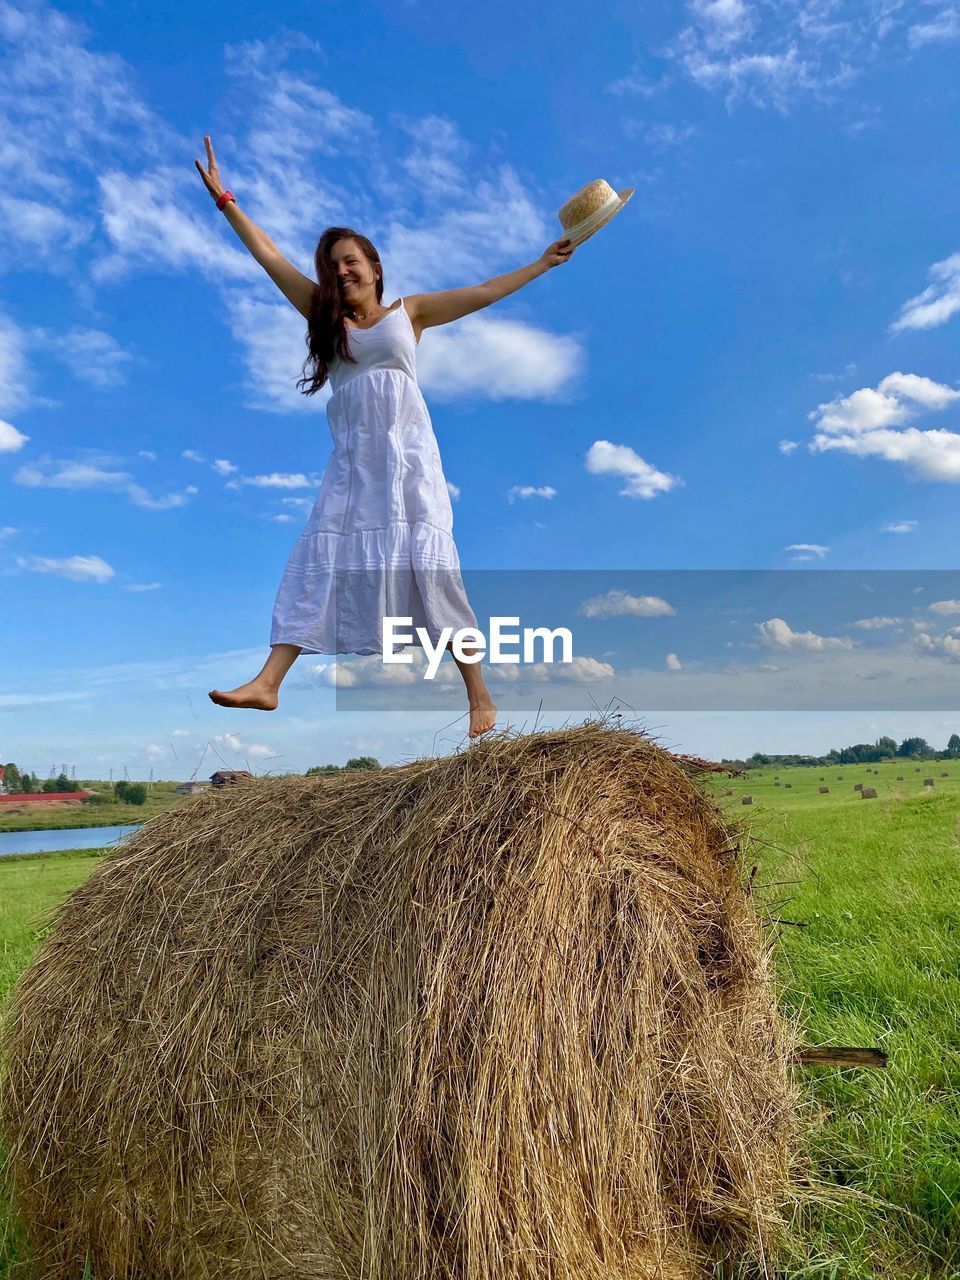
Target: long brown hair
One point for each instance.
(326, 331)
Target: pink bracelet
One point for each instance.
(224, 200)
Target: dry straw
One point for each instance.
(504, 1015)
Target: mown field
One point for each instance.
(872, 959)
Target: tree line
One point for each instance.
(860, 753)
(21, 782)
(25, 783)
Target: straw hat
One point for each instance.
(590, 209)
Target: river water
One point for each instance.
(75, 838)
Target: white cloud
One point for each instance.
(834, 377)
(223, 467)
(666, 134)
(900, 526)
(866, 424)
(643, 480)
(233, 742)
(945, 607)
(147, 453)
(497, 359)
(60, 98)
(942, 28)
(453, 490)
(49, 473)
(41, 232)
(77, 568)
(530, 491)
(723, 22)
(275, 480)
(7, 531)
(776, 56)
(777, 634)
(582, 670)
(141, 498)
(10, 438)
(618, 603)
(637, 85)
(155, 221)
(808, 550)
(144, 586)
(672, 662)
(942, 646)
(94, 356)
(935, 304)
(875, 624)
(192, 455)
(787, 446)
(763, 79)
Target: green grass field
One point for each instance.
(876, 885)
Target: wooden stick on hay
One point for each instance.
(823, 1057)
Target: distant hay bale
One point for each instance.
(747, 800)
(858, 786)
(868, 793)
(945, 775)
(787, 786)
(928, 782)
(899, 777)
(824, 791)
(501, 1015)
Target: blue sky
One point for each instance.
(752, 367)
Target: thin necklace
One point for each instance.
(358, 314)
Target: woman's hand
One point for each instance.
(559, 251)
(211, 176)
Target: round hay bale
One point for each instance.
(868, 793)
(858, 786)
(499, 1014)
(824, 791)
(747, 800)
(928, 782)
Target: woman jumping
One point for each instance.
(379, 540)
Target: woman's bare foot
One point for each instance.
(483, 716)
(255, 693)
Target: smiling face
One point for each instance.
(356, 276)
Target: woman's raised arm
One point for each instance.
(293, 284)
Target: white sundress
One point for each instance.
(379, 540)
